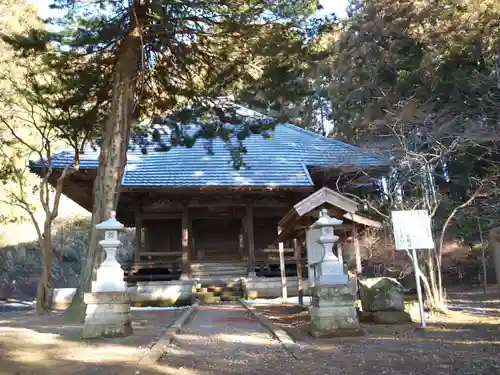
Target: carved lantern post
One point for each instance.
(332, 311)
(330, 269)
(108, 306)
(110, 276)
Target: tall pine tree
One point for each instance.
(155, 56)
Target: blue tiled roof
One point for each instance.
(280, 161)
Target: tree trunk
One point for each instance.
(433, 293)
(113, 154)
(431, 273)
(44, 286)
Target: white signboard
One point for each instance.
(412, 230)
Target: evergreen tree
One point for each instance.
(425, 76)
(147, 57)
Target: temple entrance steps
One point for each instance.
(218, 270)
(218, 281)
(217, 291)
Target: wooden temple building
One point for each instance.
(196, 216)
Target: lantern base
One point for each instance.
(332, 312)
(107, 315)
(331, 272)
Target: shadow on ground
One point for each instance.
(34, 344)
(223, 340)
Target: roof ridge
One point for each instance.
(331, 140)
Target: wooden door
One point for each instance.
(217, 239)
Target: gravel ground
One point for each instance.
(465, 342)
(225, 340)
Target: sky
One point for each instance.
(337, 6)
(334, 6)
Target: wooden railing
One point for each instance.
(167, 265)
(160, 256)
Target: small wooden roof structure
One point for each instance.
(338, 205)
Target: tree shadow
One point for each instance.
(412, 352)
(33, 344)
(37, 348)
(39, 344)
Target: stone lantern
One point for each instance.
(110, 276)
(330, 270)
(332, 311)
(108, 306)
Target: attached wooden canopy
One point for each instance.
(340, 206)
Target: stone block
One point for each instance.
(270, 287)
(365, 316)
(151, 293)
(99, 309)
(381, 293)
(171, 293)
(326, 292)
(107, 315)
(109, 318)
(391, 317)
(100, 298)
(95, 331)
(334, 322)
(333, 312)
(332, 273)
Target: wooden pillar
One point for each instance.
(185, 241)
(298, 259)
(250, 239)
(339, 252)
(139, 224)
(191, 254)
(281, 249)
(357, 251)
(145, 239)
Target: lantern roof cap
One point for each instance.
(325, 220)
(110, 224)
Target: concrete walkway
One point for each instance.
(224, 340)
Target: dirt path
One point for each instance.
(225, 340)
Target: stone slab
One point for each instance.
(111, 319)
(332, 318)
(332, 312)
(325, 291)
(341, 300)
(270, 287)
(169, 292)
(93, 331)
(340, 332)
(106, 298)
(115, 308)
(107, 315)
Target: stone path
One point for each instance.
(225, 340)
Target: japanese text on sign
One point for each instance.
(412, 230)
